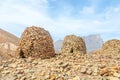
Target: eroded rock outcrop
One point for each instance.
(73, 44)
(35, 42)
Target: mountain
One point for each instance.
(93, 42)
(8, 37)
(8, 44)
(58, 45)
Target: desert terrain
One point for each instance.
(71, 63)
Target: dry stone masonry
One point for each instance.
(36, 42)
(73, 44)
(111, 46)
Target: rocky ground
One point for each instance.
(63, 67)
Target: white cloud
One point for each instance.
(37, 13)
(88, 10)
(21, 14)
(117, 9)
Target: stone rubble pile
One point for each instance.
(73, 44)
(111, 46)
(89, 67)
(35, 42)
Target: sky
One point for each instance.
(62, 17)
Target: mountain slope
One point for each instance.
(8, 44)
(93, 42)
(8, 37)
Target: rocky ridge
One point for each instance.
(8, 37)
(8, 44)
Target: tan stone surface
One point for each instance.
(8, 37)
(92, 66)
(36, 42)
(7, 50)
(8, 44)
(73, 44)
(111, 46)
(60, 67)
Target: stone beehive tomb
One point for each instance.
(73, 44)
(36, 42)
(111, 46)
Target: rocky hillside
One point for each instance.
(8, 44)
(93, 42)
(8, 37)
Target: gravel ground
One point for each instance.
(63, 67)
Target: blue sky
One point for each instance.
(62, 17)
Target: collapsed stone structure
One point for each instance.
(73, 44)
(35, 42)
(111, 46)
